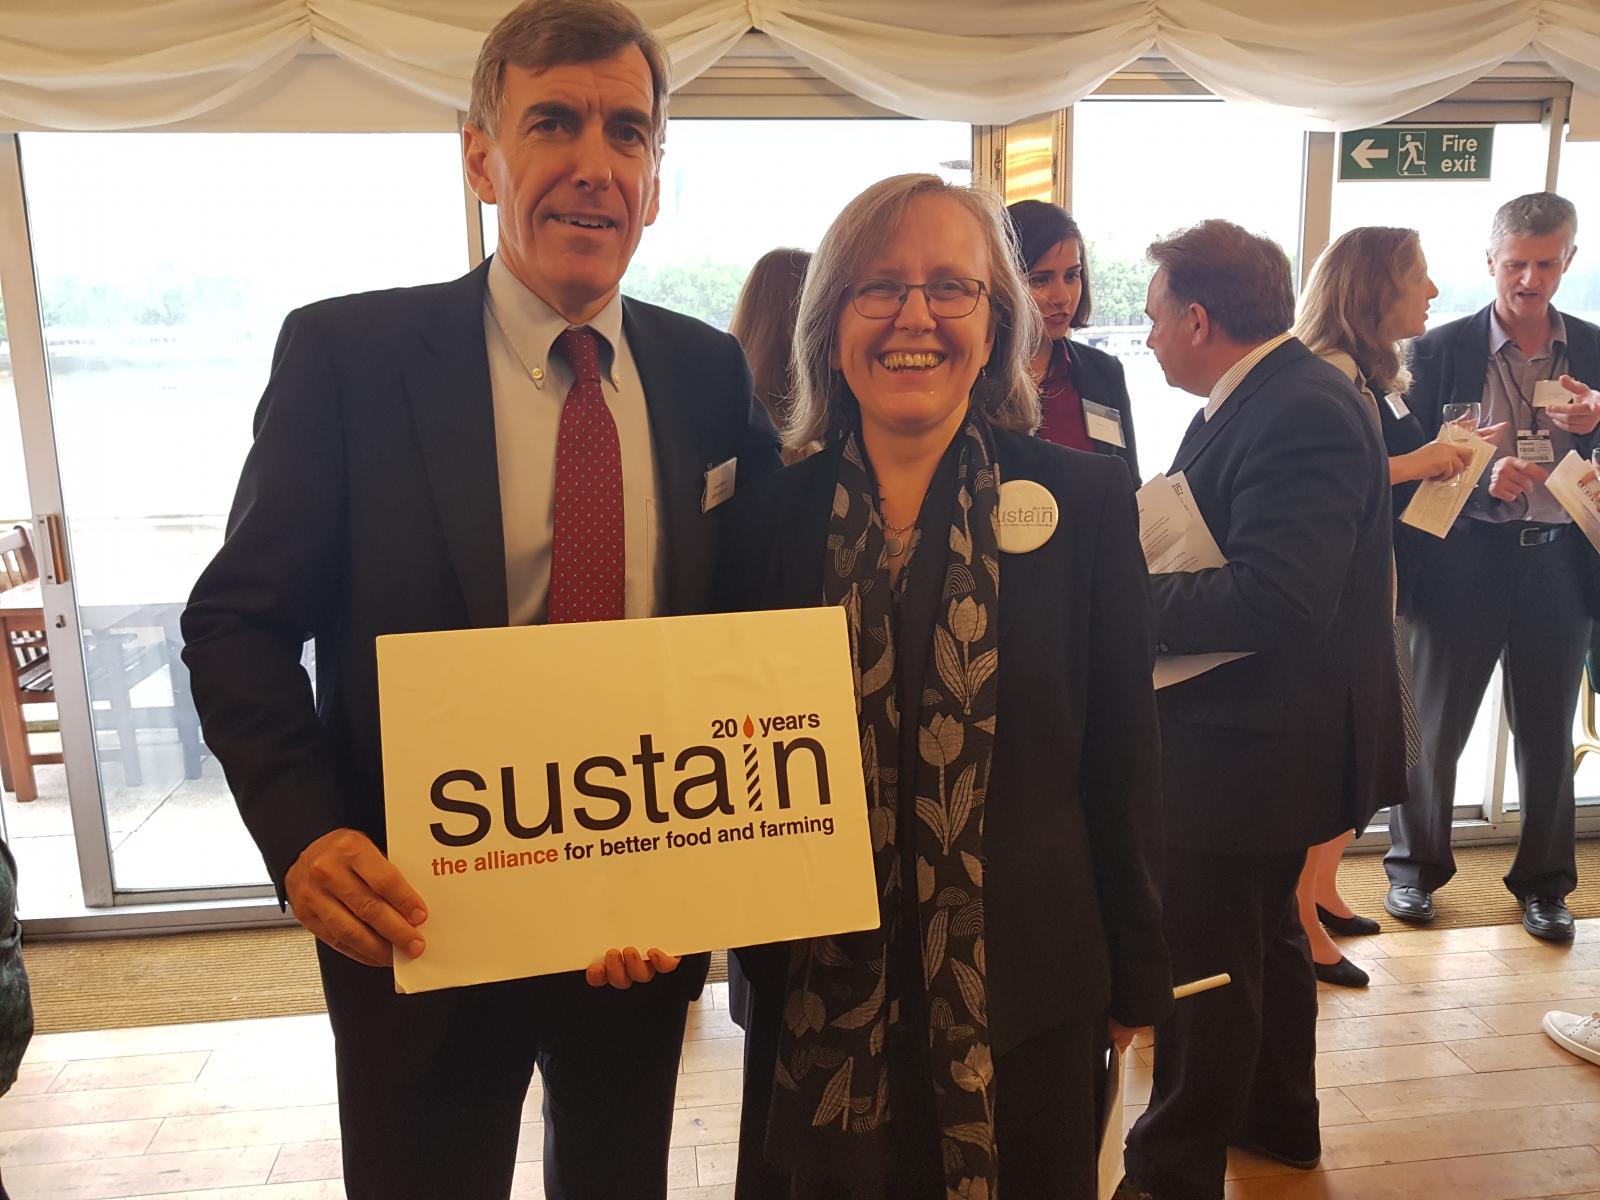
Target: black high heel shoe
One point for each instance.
(1353, 926)
(1343, 973)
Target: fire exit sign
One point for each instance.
(1430, 152)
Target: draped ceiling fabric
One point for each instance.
(134, 64)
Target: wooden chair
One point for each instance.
(27, 671)
(116, 659)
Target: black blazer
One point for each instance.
(1450, 365)
(1098, 376)
(1303, 739)
(370, 504)
(1402, 433)
(1073, 922)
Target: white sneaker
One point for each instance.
(1580, 1035)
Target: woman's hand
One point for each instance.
(1122, 1035)
(1436, 460)
(622, 969)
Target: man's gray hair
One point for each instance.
(1538, 214)
(540, 34)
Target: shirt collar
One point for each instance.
(532, 326)
(1498, 336)
(1235, 375)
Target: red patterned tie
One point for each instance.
(587, 563)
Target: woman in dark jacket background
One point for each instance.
(1083, 395)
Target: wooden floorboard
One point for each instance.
(1436, 1081)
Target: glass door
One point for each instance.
(164, 266)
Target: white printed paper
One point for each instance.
(1577, 489)
(1175, 538)
(1549, 393)
(1439, 502)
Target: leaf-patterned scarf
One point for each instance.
(830, 1106)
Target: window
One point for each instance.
(732, 190)
(1580, 183)
(13, 478)
(1144, 168)
(1452, 217)
(166, 264)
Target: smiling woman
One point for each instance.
(911, 356)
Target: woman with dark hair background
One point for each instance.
(1082, 393)
(763, 321)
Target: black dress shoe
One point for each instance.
(1343, 973)
(1409, 904)
(1353, 926)
(1546, 917)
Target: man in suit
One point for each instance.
(519, 445)
(1270, 754)
(1511, 582)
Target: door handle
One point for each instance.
(54, 542)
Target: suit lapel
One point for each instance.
(1290, 351)
(680, 451)
(1471, 363)
(452, 405)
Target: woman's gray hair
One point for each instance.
(824, 406)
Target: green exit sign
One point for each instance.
(1425, 153)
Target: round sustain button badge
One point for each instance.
(1028, 515)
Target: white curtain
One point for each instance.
(130, 64)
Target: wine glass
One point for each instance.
(1463, 418)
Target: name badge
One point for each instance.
(1534, 446)
(1397, 405)
(1028, 515)
(1548, 393)
(1104, 423)
(719, 485)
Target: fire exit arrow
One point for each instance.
(1366, 154)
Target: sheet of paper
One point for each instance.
(1175, 538)
(1548, 393)
(1439, 502)
(1171, 530)
(682, 782)
(1577, 489)
(1112, 1133)
(1175, 668)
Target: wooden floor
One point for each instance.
(1437, 1082)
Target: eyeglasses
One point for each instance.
(880, 299)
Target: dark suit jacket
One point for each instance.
(1098, 376)
(1450, 365)
(1402, 435)
(1303, 739)
(1073, 923)
(370, 504)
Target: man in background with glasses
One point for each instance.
(1511, 583)
(519, 446)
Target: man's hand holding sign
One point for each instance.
(346, 892)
